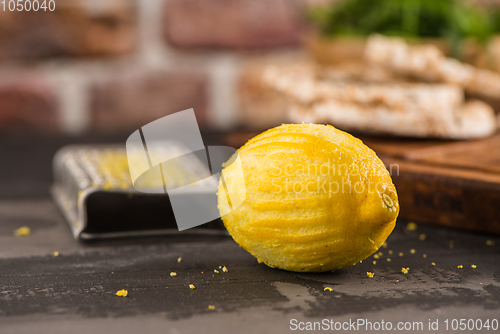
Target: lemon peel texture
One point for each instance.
(317, 199)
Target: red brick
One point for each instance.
(128, 102)
(73, 29)
(233, 23)
(28, 104)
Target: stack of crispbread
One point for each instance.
(382, 96)
(427, 62)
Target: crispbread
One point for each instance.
(303, 87)
(381, 103)
(474, 119)
(427, 62)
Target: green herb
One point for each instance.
(453, 20)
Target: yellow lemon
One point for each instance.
(313, 198)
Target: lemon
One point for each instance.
(313, 198)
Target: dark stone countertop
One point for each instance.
(75, 291)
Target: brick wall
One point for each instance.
(114, 65)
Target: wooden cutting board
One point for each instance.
(450, 183)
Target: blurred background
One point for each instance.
(110, 66)
(96, 70)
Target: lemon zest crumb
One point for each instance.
(411, 226)
(376, 257)
(370, 274)
(380, 254)
(56, 253)
(433, 264)
(424, 256)
(400, 254)
(122, 293)
(179, 260)
(385, 245)
(388, 260)
(473, 266)
(390, 252)
(460, 266)
(412, 251)
(224, 269)
(192, 287)
(327, 289)
(173, 274)
(374, 262)
(211, 307)
(22, 231)
(216, 271)
(422, 237)
(405, 270)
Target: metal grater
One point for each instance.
(93, 189)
